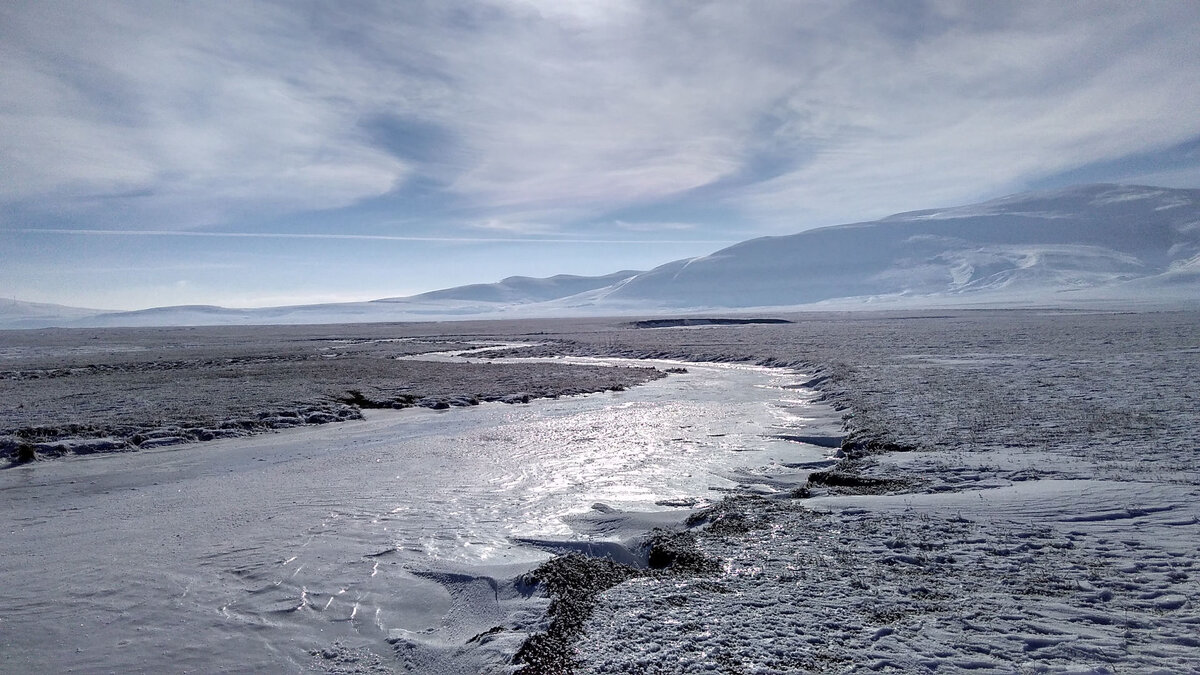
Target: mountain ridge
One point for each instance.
(1082, 244)
(1093, 235)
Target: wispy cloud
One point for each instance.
(652, 226)
(201, 113)
(204, 111)
(174, 268)
(362, 237)
(514, 227)
(991, 107)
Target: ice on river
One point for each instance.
(245, 554)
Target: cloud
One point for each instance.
(983, 109)
(151, 268)
(514, 227)
(539, 116)
(198, 110)
(654, 226)
(317, 236)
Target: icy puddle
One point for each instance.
(244, 555)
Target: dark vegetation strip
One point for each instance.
(574, 582)
(696, 321)
(97, 412)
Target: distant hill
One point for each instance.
(18, 314)
(1077, 246)
(523, 290)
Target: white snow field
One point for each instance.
(1054, 575)
(328, 548)
(1019, 491)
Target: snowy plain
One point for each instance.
(1042, 514)
(1020, 495)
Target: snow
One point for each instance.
(390, 540)
(1042, 576)
(1049, 523)
(1020, 491)
(523, 290)
(1092, 237)
(1078, 246)
(77, 393)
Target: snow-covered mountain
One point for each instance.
(1092, 241)
(1076, 246)
(506, 297)
(522, 290)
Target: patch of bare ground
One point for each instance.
(574, 581)
(139, 391)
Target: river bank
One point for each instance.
(88, 392)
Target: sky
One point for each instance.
(265, 153)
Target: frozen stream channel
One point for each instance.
(245, 554)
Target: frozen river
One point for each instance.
(245, 554)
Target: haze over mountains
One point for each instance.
(1073, 247)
